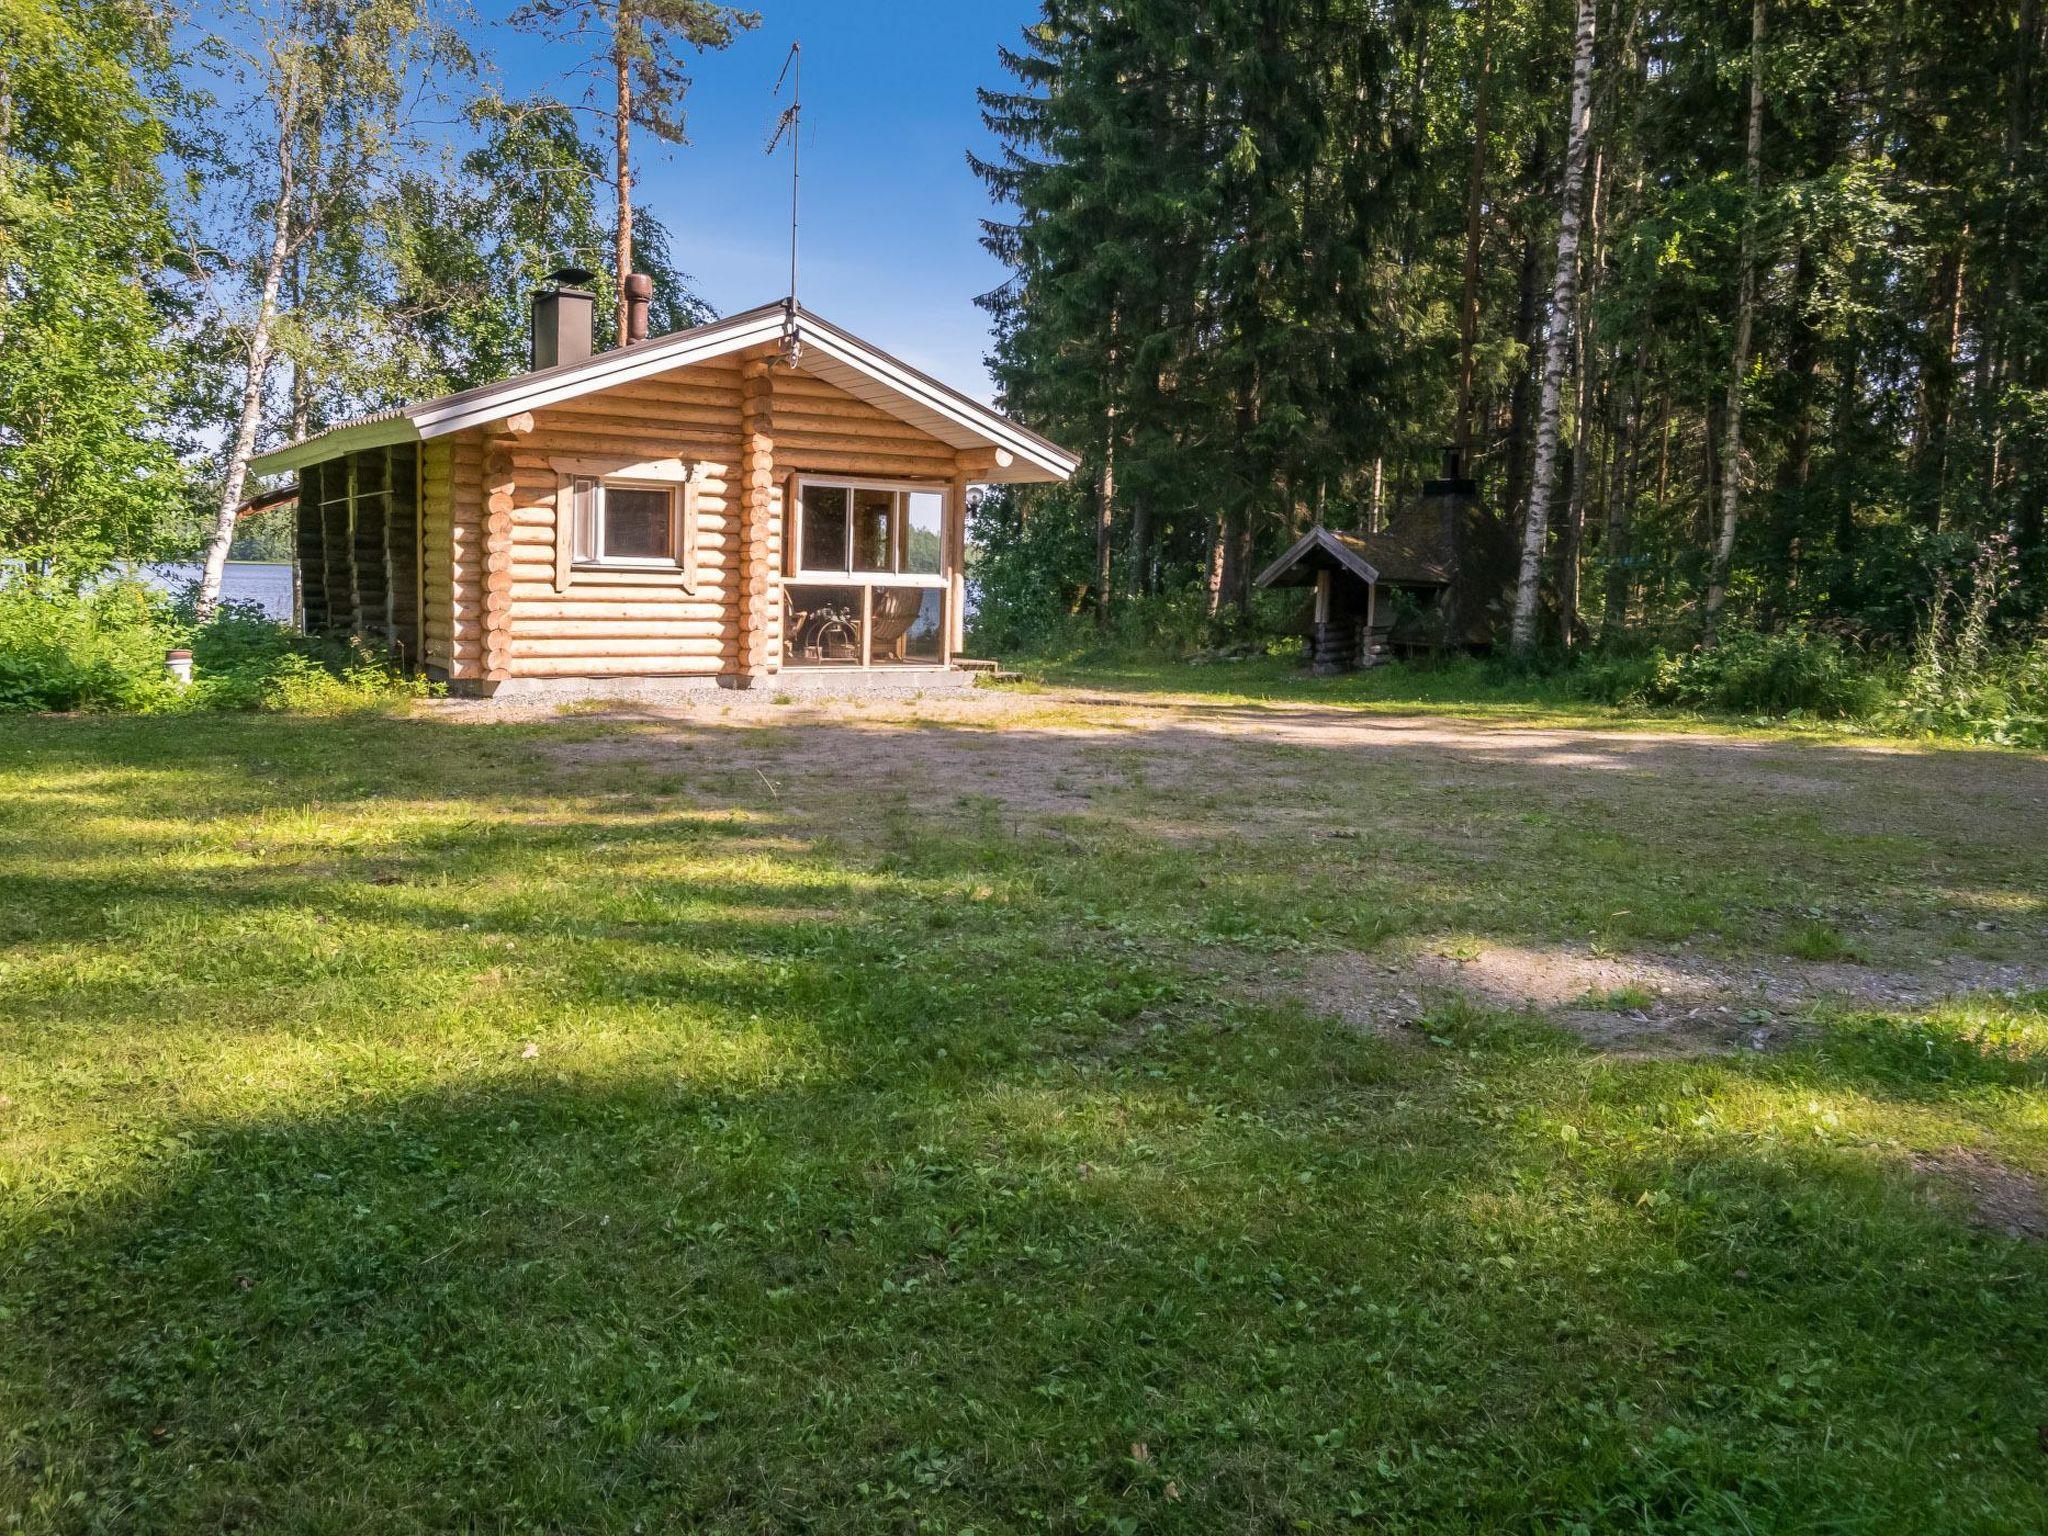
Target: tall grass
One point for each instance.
(102, 649)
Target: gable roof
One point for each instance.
(829, 353)
(1393, 559)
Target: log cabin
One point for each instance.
(762, 496)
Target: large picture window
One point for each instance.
(870, 530)
(868, 584)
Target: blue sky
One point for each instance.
(891, 211)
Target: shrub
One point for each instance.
(103, 649)
(1792, 672)
(1959, 685)
(1611, 679)
(243, 660)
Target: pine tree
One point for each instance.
(640, 48)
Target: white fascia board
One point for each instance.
(992, 425)
(622, 365)
(315, 450)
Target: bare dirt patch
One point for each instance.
(2000, 1197)
(1678, 1003)
(1267, 772)
(1904, 850)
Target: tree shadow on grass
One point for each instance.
(850, 1298)
(932, 1208)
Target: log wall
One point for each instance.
(437, 598)
(740, 445)
(448, 550)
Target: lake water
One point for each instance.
(267, 584)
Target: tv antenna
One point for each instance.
(791, 123)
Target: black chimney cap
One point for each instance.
(571, 277)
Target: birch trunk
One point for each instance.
(255, 381)
(1105, 525)
(1562, 296)
(1585, 362)
(1745, 317)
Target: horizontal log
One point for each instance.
(637, 631)
(592, 587)
(539, 469)
(536, 574)
(935, 460)
(618, 656)
(789, 420)
(712, 427)
(631, 646)
(811, 386)
(619, 666)
(875, 466)
(603, 438)
(671, 420)
(534, 604)
(719, 390)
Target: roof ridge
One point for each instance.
(539, 388)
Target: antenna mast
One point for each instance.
(791, 123)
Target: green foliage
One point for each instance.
(1961, 684)
(86, 355)
(1748, 672)
(1202, 267)
(650, 39)
(469, 249)
(102, 649)
(1237, 243)
(2002, 698)
(244, 661)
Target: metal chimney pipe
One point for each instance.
(639, 295)
(562, 319)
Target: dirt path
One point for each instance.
(1906, 842)
(1056, 751)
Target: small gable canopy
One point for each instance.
(825, 351)
(1378, 559)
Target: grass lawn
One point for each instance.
(943, 1117)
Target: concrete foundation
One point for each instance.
(799, 682)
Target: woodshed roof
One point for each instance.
(827, 352)
(1405, 559)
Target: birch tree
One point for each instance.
(332, 99)
(1732, 463)
(1563, 298)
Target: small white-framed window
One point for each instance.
(640, 518)
(622, 522)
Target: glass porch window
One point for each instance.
(869, 586)
(826, 521)
(874, 530)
